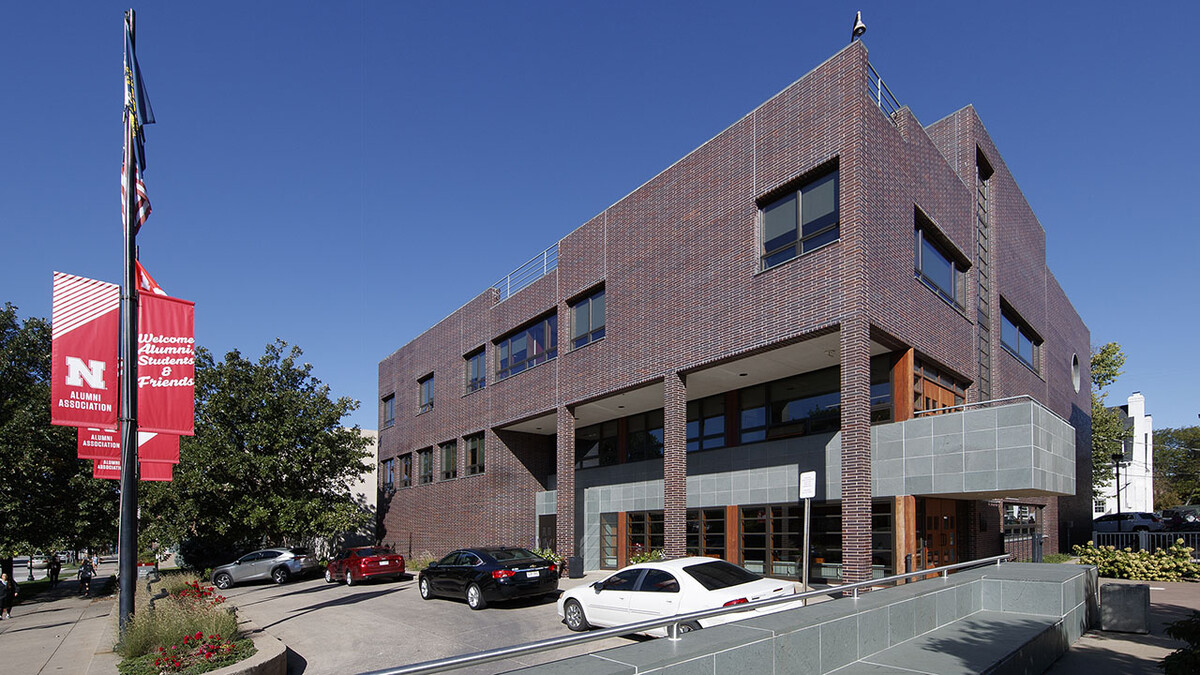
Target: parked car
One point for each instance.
(276, 564)
(1133, 521)
(364, 562)
(668, 587)
(483, 575)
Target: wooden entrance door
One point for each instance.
(940, 532)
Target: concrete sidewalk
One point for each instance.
(60, 631)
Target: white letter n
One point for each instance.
(78, 373)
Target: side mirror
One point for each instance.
(598, 585)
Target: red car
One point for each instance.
(364, 562)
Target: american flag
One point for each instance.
(141, 210)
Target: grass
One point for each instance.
(190, 631)
(1057, 557)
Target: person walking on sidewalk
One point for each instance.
(86, 572)
(55, 568)
(8, 594)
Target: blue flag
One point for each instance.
(137, 103)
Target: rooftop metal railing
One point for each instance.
(670, 623)
(879, 92)
(538, 267)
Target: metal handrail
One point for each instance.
(535, 268)
(671, 624)
(964, 406)
(883, 96)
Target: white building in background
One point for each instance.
(1136, 482)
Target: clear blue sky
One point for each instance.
(343, 175)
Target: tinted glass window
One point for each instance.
(658, 581)
(512, 554)
(720, 574)
(622, 581)
(451, 559)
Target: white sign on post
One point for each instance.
(808, 484)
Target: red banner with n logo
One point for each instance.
(85, 324)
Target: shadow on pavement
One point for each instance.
(295, 663)
(343, 600)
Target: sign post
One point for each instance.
(808, 490)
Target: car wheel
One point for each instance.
(426, 591)
(574, 617)
(475, 597)
(280, 575)
(688, 627)
(349, 578)
(328, 576)
(223, 581)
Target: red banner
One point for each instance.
(160, 471)
(107, 468)
(85, 325)
(99, 444)
(166, 365)
(157, 448)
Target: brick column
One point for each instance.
(675, 464)
(565, 497)
(856, 449)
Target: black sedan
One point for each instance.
(483, 575)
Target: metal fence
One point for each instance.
(670, 623)
(1147, 541)
(879, 92)
(538, 267)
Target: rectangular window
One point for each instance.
(1018, 339)
(406, 470)
(644, 436)
(644, 531)
(936, 268)
(706, 532)
(706, 423)
(527, 347)
(425, 465)
(474, 454)
(596, 445)
(426, 395)
(476, 367)
(608, 541)
(800, 221)
(389, 474)
(389, 410)
(449, 460)
(587, 320)
(935, 389)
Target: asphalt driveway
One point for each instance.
(332, 628)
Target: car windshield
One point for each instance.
(720, 574)
(509, 554)
(368, 552)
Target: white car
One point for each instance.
(668, 587)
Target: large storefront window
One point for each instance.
(645, 531)
(706, 532)
(825, 540)
(771, 539)
(596, 445)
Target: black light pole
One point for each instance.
(127, 536)
(1117, 457)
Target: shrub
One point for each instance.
(190, 609)
(1186, 660)
(548, 554)
(419, 561)
(1170, 564)
(640, 556)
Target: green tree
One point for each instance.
(1176, 466)
(1108, 432)
(270, 462)
(48, 497)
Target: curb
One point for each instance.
(269, 659)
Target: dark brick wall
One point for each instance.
(679, 261)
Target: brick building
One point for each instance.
(824, 286)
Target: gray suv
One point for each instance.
(276, 564)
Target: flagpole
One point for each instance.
(127, 546)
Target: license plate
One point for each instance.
(385, 562)
(532, 573)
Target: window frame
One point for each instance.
(592, 332)
(799, 243)
(699, 419)
(477, 361)
(406, 465)
(448, 450)
(926, 235)
(389, 410)
(389, 474)
(506, 366)
(425, 466)
(425, 394)
(475, 454)
(1010, 320)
